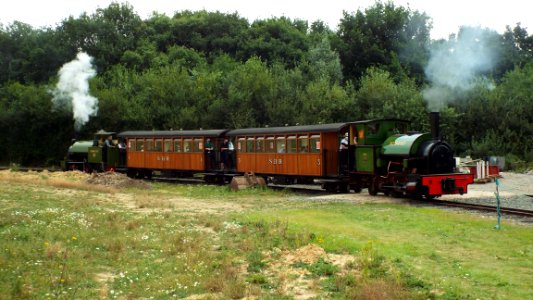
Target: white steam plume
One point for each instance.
(455, 65)
(72, 90)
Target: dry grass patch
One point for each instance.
(64, 180)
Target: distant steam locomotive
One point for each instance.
(380, 155)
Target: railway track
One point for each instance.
(487, 208)
(313, 189)
(303, 189)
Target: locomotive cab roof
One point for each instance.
(104, 133)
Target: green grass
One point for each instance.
(77, 242)
(71, 244)
(454, 254)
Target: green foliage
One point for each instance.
(32, 134)
(215, 70)
(107, 34)
(380, 97)
(394, 38)
(210, 33)
(278, 40)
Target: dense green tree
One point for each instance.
(211, 33)
(380, 97)
(393, 38)
(215, 70)
(107, 34)
(277, 40)
(30, 55)
(324, 63)
(515, 49)
(512, 116)
(249, 90)
(31, 132)
(323, 102)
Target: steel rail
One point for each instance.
(505, 210)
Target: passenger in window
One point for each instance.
(344, 142)
(281, 148)
(121, 151)
(121, 144)
(343, 153)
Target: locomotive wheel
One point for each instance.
(344, 188)
(148, 174)
(373, 188)
(356, 188)
(397, 194)
(429, 198)
(330, 187)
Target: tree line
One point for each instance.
(217, 70)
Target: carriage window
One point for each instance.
(167, 145)
(303, 144)
(140, 145)
(187, 145)
(291, 144)
(260, 145)
(280, 145)
(131, 145)
(250, 144)
(270, 144)
(315, 143)
(177, 146)
(149, 143)
(198, 145)
(241, 145)
(158, 145)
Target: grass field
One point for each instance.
(64, 239)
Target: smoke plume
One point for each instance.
(72, 90)
(456, 66)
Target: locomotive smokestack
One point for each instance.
(434, 121)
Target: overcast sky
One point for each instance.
(447, 15)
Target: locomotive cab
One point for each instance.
(101, 157)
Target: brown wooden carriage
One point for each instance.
(176, 150)
(289, 151)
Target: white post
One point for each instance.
(483, 169)
(478, 169)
